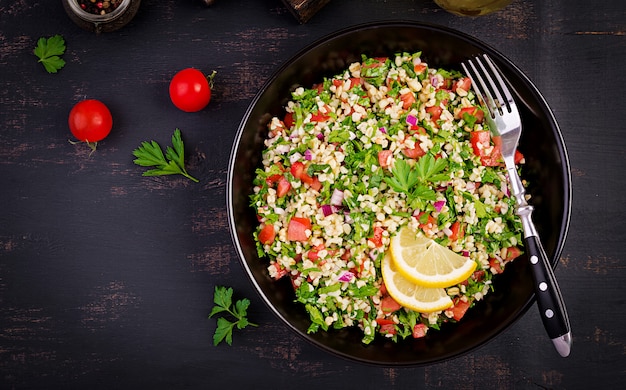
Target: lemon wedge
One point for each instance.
(423, 261)
(410, 295)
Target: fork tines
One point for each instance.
(489, 92)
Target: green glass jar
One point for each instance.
(101, 15)
(472, 7)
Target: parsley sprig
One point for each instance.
(149, 154)
(49, 52)
(414, 180)
(223, 299)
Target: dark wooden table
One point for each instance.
(106, 277)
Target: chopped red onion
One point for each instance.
(382, 130)
(283, 148)
(434, 80)
(320, 136)
(505, 188)
(347, 217)
(308, 155)
(336, 199)
(411, 120)
(327, 209)
(295, 157)
(465, 253)
(347, 276)
(439, 205)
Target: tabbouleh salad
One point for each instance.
(386, 143)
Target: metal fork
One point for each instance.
(504, 120)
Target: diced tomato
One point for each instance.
(280, 271)
(383, 158)
(407, 100)
(354, 81)
(464, 83)
(270, 180)
(319, 87)
(429, 223)
(288, 120)
(375, 64)
(389, 305)
(296, 230)
(316, 184)
(518, 157)
(481, 142)
(384, 321)
(417, 129)
(457, 231)
(414, 153)
(459, 309)
(419, 68)
(377, 238)
(297, 168)
(419, 330)
(478, 275)
(337, 82)
(320, 116)
(383, 289)
(473, 111)
(388, 329)
(283, 187)
(267, 234)
(512, 253)
(495, 264)
(435, 112)
(313, 254)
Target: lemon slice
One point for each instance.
(425, 262)
(410, 295)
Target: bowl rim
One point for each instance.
(401, 23)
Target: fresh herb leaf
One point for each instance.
(223, 300)
(404, 177)
(413, 180)
(429, 168)
(149, 154)
(49, 52)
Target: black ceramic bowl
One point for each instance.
(547, 171)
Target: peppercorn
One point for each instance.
(98, 7)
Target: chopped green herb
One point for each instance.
(49, 52)
(149, 154)
(223, 299)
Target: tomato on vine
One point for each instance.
(190, 89)
(90, 121)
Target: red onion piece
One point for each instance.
(336, 198)
(439, 205)
(308, 155)
(411, 120)
(295, 157)
(326, 209)
(346, 276)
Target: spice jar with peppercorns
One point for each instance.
(101, 15)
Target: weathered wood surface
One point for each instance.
(304, 10)
(106, 277)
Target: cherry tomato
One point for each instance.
(190, 89)
(90, 121)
